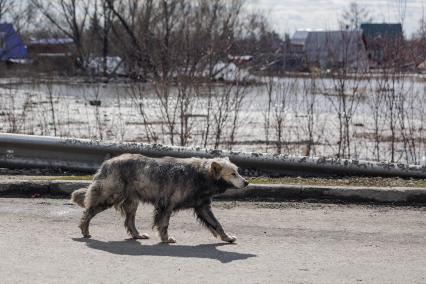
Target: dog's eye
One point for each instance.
(233, 174)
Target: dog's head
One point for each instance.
(227, 171)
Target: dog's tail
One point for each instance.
(78, 197)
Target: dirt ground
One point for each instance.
(277, 243)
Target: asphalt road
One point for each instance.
(277, 243)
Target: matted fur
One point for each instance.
(170, 184)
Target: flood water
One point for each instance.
(247, 117)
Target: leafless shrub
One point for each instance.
(347, 85)
(50, 98)
(139, 98)
(70, 18)
(240, 96)
(269, 88)
(10, 109)
(282, 98)
(121, 119)
(376, 106)
(309, 106)
(96, 103)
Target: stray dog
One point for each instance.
(170, 184)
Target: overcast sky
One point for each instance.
(291, 15)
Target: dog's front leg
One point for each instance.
(88, 214)
(161, 221)
(207, 218)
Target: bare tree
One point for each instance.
(23, 15)
(50, 97)
(354, 16)
(70, 18)
(376, 106)
(240, 95)
(347, 85)
(222, 110)
(420, 41)
(135, 18)
(17, 12)
(269, 85)
(139, 98)
(101, 23)
(169, 37)
(283, 93)
(309, 101)
(411, 134)
(5, 8)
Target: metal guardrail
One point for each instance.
(28, 151)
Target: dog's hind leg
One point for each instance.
(88, 214)
(130, 207)
(206, 217)
(161, 221)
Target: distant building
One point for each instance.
(295, 59)
(229, 71)
(52, 54)
(298, 41)
(381, 40)
(240, 60)
(328, 50)
(422, 66)
(11, 45)
(51, 47)
(114, 65)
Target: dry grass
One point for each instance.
(64, 178)
(349, 181)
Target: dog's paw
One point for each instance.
(229, 239)
(87, 236)
(141, 237)
(170, 240)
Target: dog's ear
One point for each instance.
(215, 169)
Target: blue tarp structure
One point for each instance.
(11, 45)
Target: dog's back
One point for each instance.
(147, 179)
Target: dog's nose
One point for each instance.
(246, 183)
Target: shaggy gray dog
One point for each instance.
(170, 184)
